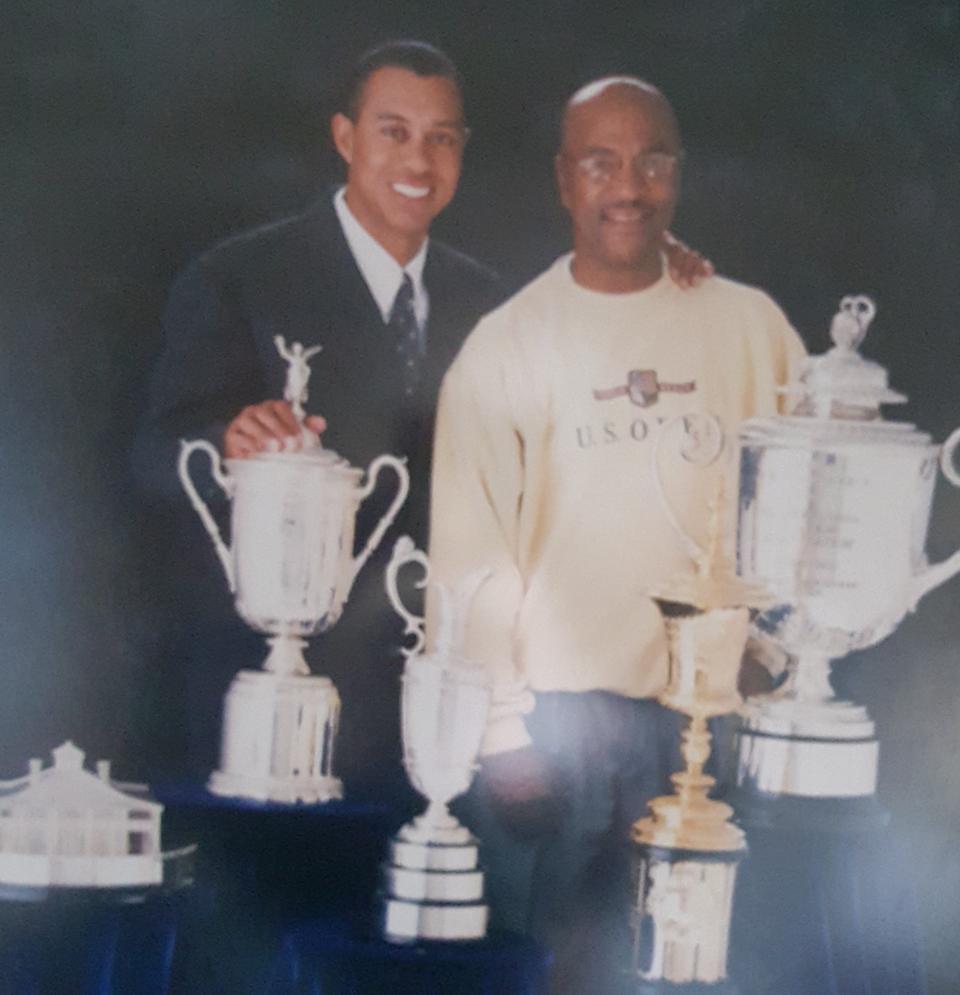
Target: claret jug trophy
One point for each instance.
(833, 512)
(686, 853)
(433, 884)
(290, 565)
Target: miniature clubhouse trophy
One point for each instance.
(291, 566)
(687, 851)
(833, 514)
(433, 883)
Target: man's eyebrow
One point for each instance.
(453, 123)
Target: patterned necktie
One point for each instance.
(406, 332)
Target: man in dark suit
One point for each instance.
(358, 275)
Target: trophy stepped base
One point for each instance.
(786, 813)
(433, 889)
(408, 922)
(826, 759)
(725, 987)
(278, 738)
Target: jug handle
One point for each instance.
(693, 548)
(373, 471)
(936, 575)
(225, 482)
(404, 552)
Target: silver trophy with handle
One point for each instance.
(834, 506)
(290, 565)
(433, 883)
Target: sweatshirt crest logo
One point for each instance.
(644, 389)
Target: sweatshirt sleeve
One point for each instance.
(477, 490)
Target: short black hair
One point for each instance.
(419, 57)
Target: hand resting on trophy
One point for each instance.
(278, 426)
(271, 427)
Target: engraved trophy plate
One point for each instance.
(290, 566)
(833, 514)
(432, 883)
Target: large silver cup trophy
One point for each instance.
(433, 883)
(833, 513)
(290, 565)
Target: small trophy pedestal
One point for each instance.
(433, 883)
(687, 854)
(278, 737)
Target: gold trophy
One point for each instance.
(688, 850)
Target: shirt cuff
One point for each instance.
(509, 732)
(506, 729)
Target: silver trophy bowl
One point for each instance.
(834, 506)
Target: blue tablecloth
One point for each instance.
(262, 868)
(323, 958)
(89, 942)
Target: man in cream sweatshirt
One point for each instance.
(548, 424)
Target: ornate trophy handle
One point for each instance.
(708, 454)
(373, 471)
(936, 575)
(404, 552)
(453, 605)
(225, 482)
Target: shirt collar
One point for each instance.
(381, 272)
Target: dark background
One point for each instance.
(823, 159)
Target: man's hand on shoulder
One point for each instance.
(268, 427)
(687, 267)
(522, 790)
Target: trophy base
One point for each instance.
(786, 813)
(278, 738)
(433, 887)
(410, 922)
(815, 750)
(725, 987)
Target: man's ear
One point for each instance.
(341, 128)
(560, 172)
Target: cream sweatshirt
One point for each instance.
(544, 472)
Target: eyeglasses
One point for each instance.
(654, 167)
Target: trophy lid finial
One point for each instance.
(298, 373)
(841, 383)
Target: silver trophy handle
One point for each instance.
(225, 482)
(373, 471)
(934, 576)
(707, 455)
(405, 552)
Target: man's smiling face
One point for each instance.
(618, 176)
(403, 149)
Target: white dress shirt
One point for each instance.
(381, 272)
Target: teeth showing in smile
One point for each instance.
(406, 190)
(625, 214)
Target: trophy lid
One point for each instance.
(842, 384)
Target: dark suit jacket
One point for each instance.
(296, 278)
